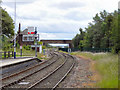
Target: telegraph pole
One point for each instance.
(14, 32)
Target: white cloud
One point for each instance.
(58, 36)
(68, 5)
(19, 0)
(119, 5)
(58, 16)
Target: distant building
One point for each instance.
(23, 38)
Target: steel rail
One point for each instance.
(17, 81)
(53, 88)
(14, 74)
(33, 85)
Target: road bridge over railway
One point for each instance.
(58, 42)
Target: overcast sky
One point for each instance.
(57, 19)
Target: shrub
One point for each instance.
(43, 47)
(27, 47)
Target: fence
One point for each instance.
(87, 49)
(64, 49)
(8, 54)
(97, 49)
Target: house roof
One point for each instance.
(25, 32)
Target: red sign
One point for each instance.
(31, 32)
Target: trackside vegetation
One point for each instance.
(106, 64)
(102, 33)
(30, 53)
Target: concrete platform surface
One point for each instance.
(11, 61)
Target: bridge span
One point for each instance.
(58, 42)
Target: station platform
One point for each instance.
(12, 61)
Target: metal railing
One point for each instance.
(4, 55)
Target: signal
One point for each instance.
(35, 30)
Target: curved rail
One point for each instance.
(46, 76)
(22, 71)
(17, 81)
(64, 75)
(35, 84)
(50, 74)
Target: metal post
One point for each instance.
(14, 33)
(35, 48)
(69, 49)
(35, 42)
(21, 50)
(4, 54)
(8, 54)
(44, 51)
(12, 54)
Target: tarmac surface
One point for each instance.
(11, 61)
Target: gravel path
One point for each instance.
(80, 76)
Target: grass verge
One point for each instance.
(107, 66)
(63, 51)
(40, 56)
(29, 53)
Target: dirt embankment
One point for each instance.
(95, 75)
(83, 74)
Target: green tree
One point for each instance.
(103, 32)
(40, 43)
(6, 45)
(77, 40)
(88, 38)
(7, 24)
(81, 37)
(115, 33)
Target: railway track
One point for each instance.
(8, 70)
(47, 77)
(17, 68)
(16, 77)
(53, 79)
(24, 69)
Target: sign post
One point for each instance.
(44, 51)
(15, 34)
(33, 32)
(21, 50)
(35, 41)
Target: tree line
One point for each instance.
(102, 32)
(7, 30)
(7, 23)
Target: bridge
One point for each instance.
(58, 42)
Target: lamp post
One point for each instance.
(14, 32)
